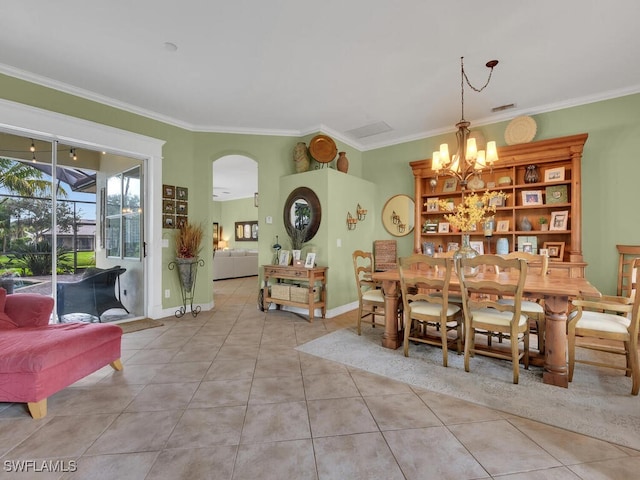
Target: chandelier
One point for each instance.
(468, 160)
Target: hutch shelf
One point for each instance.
(554, 196)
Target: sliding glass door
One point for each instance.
(58, 231)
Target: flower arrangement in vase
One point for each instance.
(471, 213)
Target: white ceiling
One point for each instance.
(293, 67)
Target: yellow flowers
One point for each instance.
(474, 209)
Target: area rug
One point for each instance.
(597, 403)
(137, 325)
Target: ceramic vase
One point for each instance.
(531, 175)
(342, 164)
(465, 251)
(525, 225)
(301, 157)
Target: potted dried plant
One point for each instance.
(188, 242)
(297, 237)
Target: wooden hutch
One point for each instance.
(556, 195)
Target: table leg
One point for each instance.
(390, 337)
(555, 356)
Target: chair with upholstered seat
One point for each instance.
(626, 276)
(422, 309)
(486, 314)
(531, 307)
(608, 321)
(370, 297)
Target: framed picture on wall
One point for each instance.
(168, 221)
(168, 191)
(168, 207)
(182, 193)
(216, 235)
(247, 231)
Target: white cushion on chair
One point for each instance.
(603, 322)
(433, 309)
(495, 317)
(525, 305)
(374, 295)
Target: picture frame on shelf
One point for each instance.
(310, 260)
(428, 248)
(544, 251)
(452, 246)
(502, 226)
(450, 185)
(556, 194)
(554, 174)
(443, 227)
(478, 246)
(532, 197)
(527, 247)
(284, 257)
(555, 250)
(432, 204)
(497, 202)
(559, 220)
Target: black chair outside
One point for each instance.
(94, 294)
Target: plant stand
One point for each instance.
(187, 272)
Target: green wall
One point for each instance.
(230, 212)
(609, 172)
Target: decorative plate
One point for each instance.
(476, 183)
(323, 149)
(520, 130)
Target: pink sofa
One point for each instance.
(38, 359)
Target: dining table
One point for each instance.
(557, 292)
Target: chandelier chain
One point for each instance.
(463, 78)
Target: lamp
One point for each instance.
(222, 244)
(468, 160)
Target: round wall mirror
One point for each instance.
(398, 215)
(302, 210)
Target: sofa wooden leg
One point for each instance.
(116, 364)
(38, 409)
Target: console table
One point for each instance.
(284, 275)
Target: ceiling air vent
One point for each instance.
(369, 130)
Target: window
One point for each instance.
(123, 215)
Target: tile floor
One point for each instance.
(226, 396)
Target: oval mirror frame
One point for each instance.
(398, 215)
(296, 197)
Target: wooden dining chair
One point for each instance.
(370, 297)
(626, 275)
(533, 307)
(614, 326)
(422, 309)
(487, 314)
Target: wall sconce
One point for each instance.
(351, 221)
(395, 218)
(360, 212)
(401, 227)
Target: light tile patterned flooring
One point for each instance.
(226, 396)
